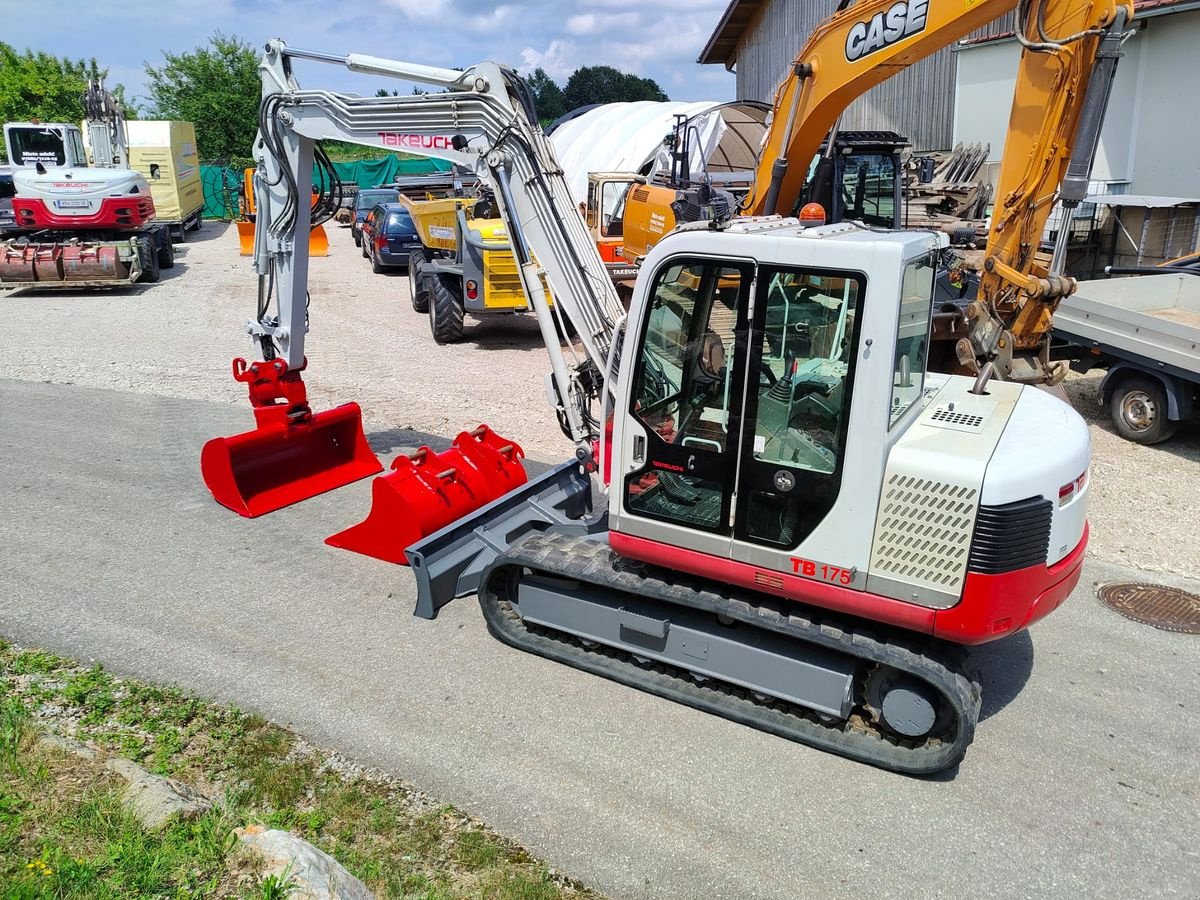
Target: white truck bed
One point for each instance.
(1156, 317)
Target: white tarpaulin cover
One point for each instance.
(628, 137)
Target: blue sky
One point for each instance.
(659, 39)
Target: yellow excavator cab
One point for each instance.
(318, 240)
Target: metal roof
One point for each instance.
(723, 43)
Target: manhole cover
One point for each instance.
(1167, 608)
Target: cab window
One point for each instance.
(869, 189)
(803, 402)
(612, 208)
(37, 145)
(76, 142)
(912, 337)
(796, 422)
(683, 380)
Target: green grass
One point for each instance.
(14, 730)
(64, 834)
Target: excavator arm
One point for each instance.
(485, 121)
(1067, 45)
(104, 119)
(1068, 63)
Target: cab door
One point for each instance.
(794, 423)
(681, 448)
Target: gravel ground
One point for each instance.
(367, 344)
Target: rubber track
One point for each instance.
(586, 560)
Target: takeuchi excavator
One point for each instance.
(81, 226)
(774, 512)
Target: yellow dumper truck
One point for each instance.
(465, 264)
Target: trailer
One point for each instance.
(165, 153)
(1145, 330)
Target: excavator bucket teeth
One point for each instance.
(246, 238)
(427, 491)
(271, 467)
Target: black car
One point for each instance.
(8, 219)
(389, 236)
(362, 205)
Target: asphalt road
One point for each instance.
(1083, 778)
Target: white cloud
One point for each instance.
(583, 24)
(559, 60)
(420, 9)
(590, 23)
(502, 16)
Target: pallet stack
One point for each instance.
(956, 199)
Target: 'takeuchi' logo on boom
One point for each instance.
(903, 20)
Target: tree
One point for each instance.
(217, 88)
(547, 96)
(604, 84)
(47, 88)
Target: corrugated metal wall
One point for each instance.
(918, 103)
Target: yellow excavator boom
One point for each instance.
(865, 43)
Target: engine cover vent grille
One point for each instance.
(923, 534)
(1011, 537)
(945, 417)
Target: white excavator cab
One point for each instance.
(774, 460)
(52, 144)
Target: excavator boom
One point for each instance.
(481, 122)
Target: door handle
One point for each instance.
(639, 448)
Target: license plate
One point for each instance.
(72, 204)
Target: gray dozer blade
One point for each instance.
(448, 563)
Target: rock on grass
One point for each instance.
(311, 874)
(155, 800)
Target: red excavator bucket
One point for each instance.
(427, 491)
(293, 454)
